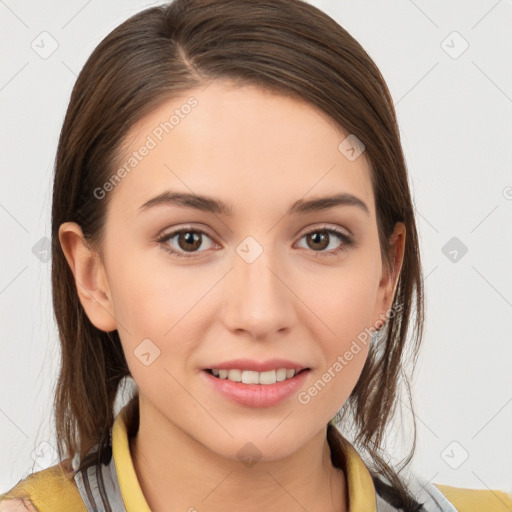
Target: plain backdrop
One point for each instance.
(447, 65)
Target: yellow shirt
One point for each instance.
(50, 490)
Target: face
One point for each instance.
(272, 273)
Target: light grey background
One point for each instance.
(455, 118)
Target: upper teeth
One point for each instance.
(250, 377)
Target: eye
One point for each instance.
(186, 242)
(324, 237)
(183, 241)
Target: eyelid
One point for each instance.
(346, 239)
(327, 227)
(164, 237)
(168, 233)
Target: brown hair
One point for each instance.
(286, 46)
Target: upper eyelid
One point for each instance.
(331, 229)
(174, 232)
(337, 231)
(321, 227)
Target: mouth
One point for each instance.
(265, 378)
(256, 389)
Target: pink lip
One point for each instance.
(257, 395)
(255, 366)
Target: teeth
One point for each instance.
(234, 375)
(250, 377)
(281, 374)
(267, 377)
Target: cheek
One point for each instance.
(342, 304)
(149, 313)
(154, 301)
(342, 299)
(149, 295)
(145, 302)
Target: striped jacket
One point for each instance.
(112, 486)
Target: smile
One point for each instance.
(252, 377)
(256, 389)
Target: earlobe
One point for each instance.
(90, 276)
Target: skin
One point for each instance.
(259, 152)
(17, 505)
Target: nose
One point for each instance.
(259, 300)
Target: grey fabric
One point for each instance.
(433, 499)
(99, 486)
(424, 492)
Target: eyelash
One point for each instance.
(347, 241)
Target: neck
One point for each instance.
(177, 473)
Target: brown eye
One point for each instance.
(185, 241)
(320, 239)
(189, 240)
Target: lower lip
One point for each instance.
(257, 395)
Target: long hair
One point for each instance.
(287, 46)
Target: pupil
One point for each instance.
(189, 237)
(320, 238)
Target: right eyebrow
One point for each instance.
(212, 205)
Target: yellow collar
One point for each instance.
(131, 492)
(361, 492)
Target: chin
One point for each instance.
(250, 449)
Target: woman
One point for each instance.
(233, 229)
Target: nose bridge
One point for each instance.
(258, 300)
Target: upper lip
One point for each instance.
(257, 366)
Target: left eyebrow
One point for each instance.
(212, 205)
(323, 203)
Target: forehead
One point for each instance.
(250, 146)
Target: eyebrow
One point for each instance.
(211, 205)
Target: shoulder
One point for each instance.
(16, 505)
(52, 489)
(433, 497)
(474, 500)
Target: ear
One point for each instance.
(90, 276)
(390, 276)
